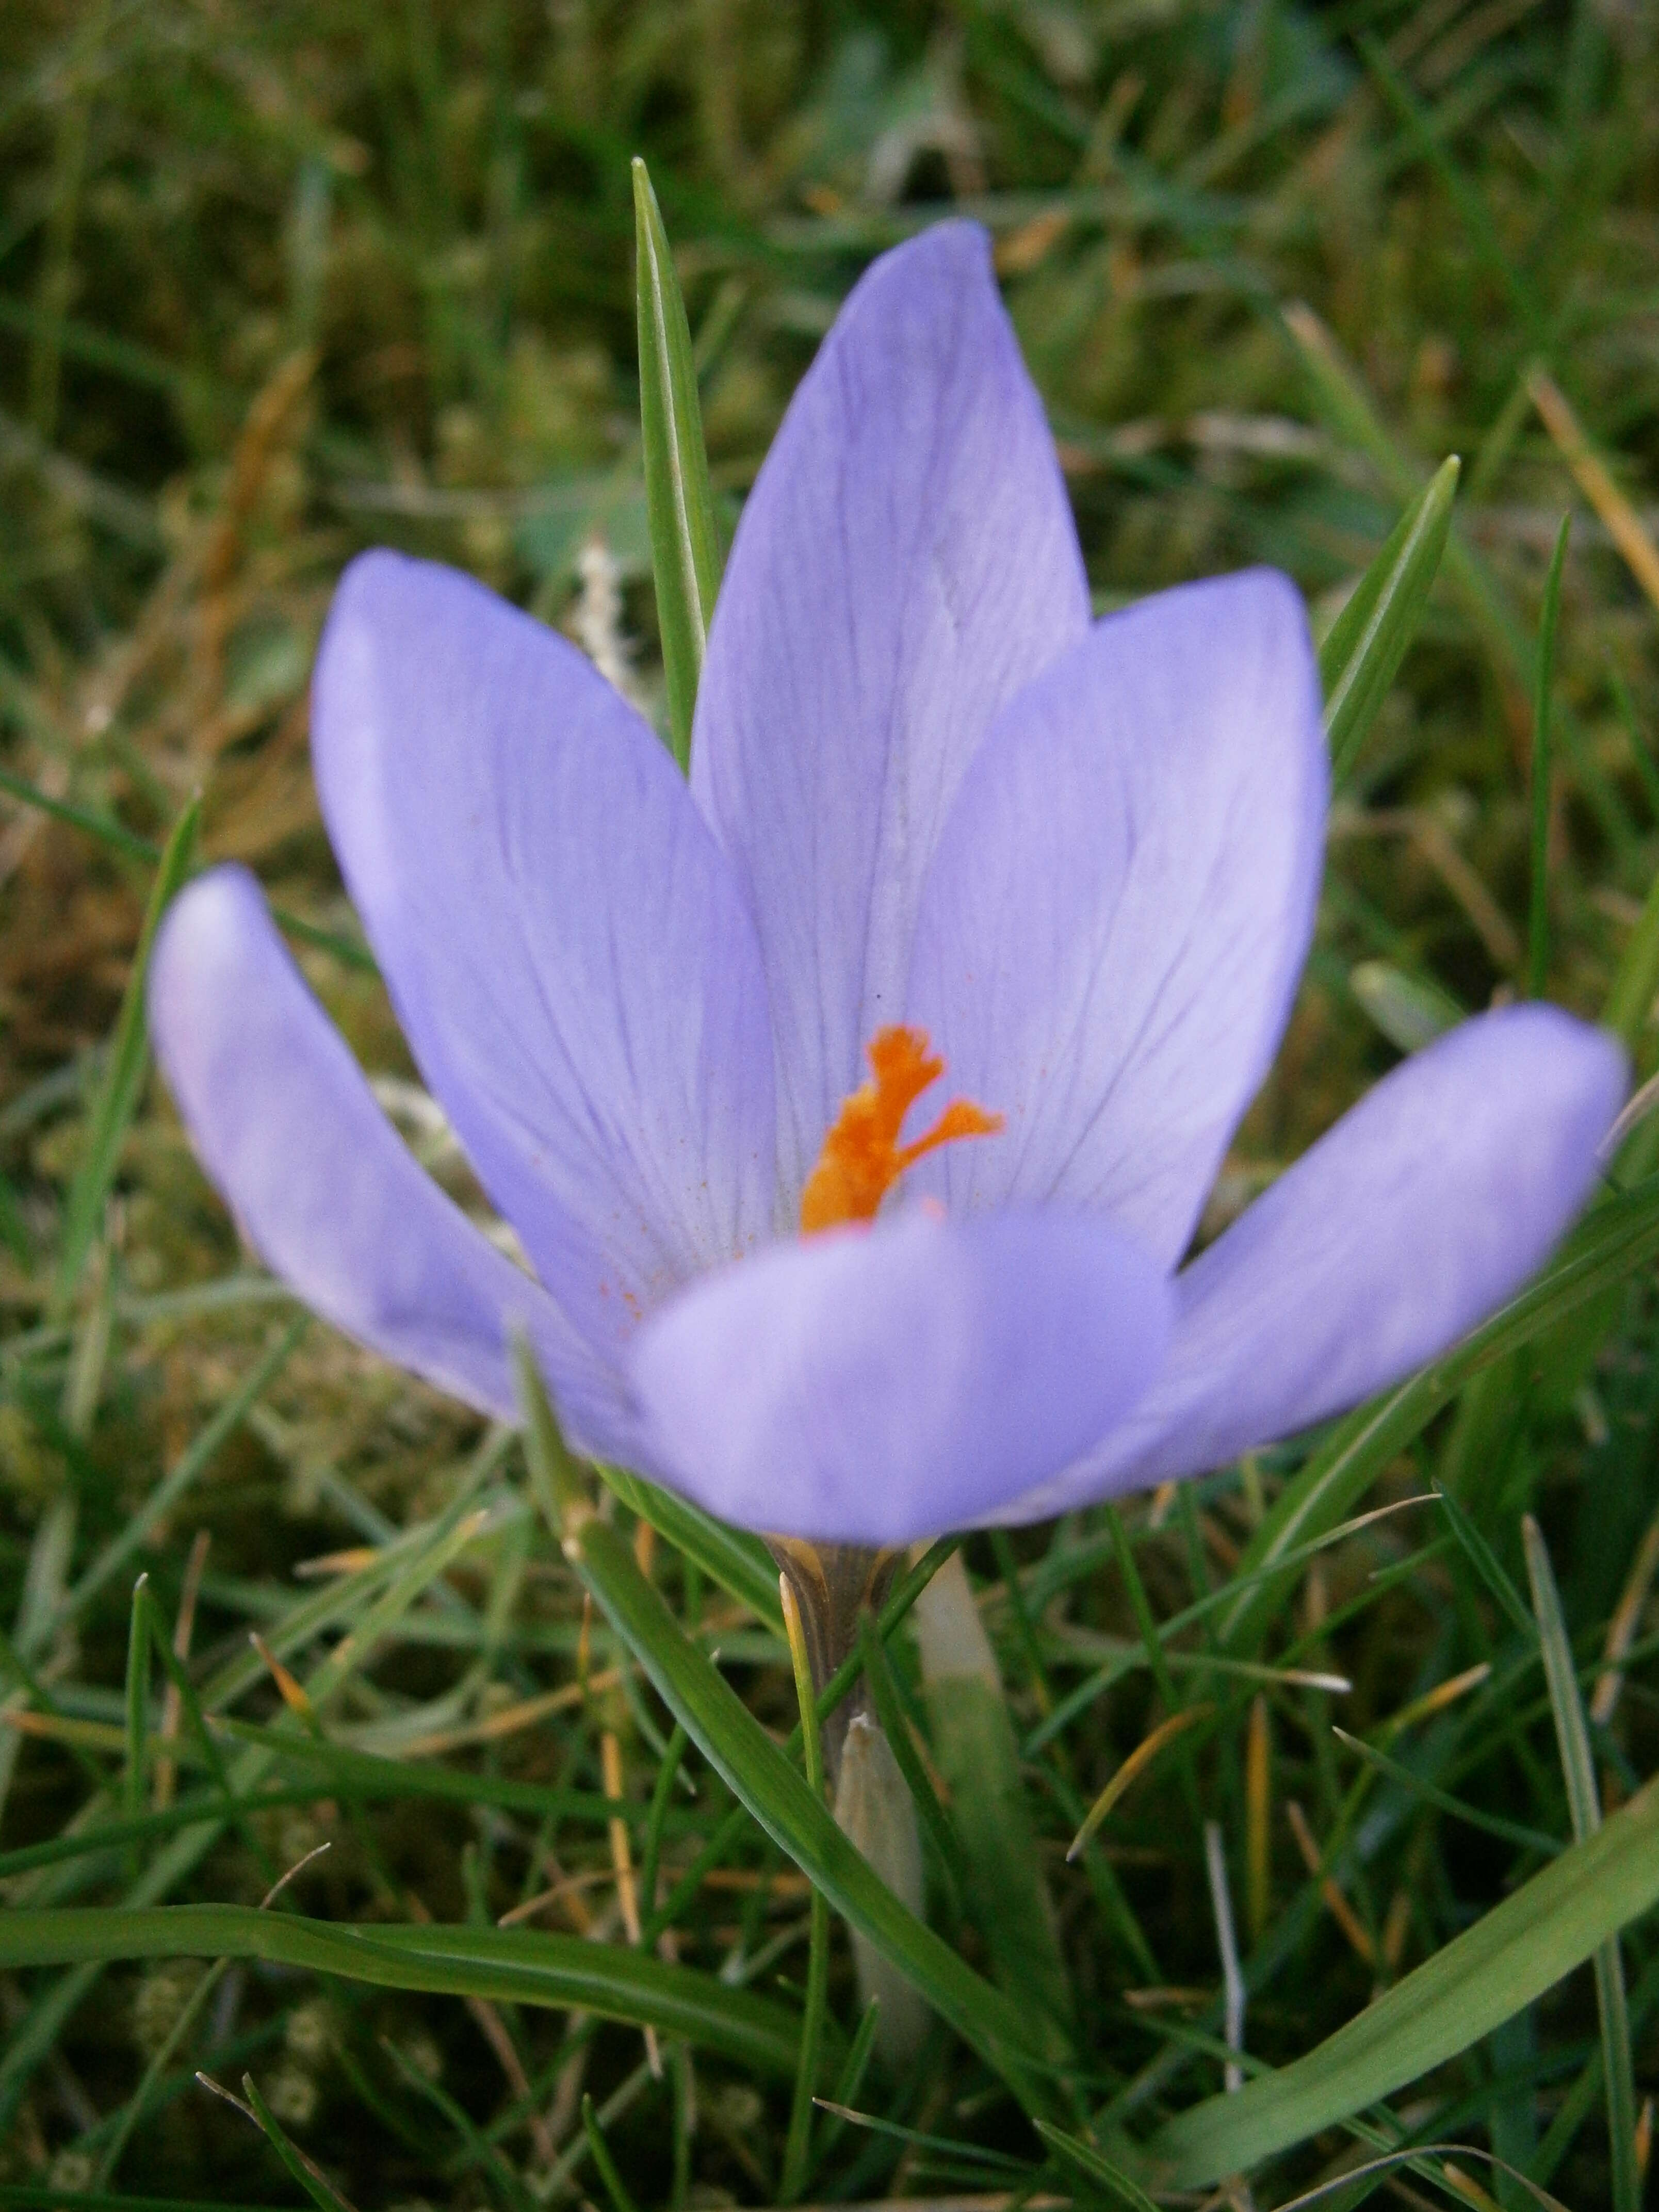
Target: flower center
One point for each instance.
(862, 1157)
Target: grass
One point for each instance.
(279, 282)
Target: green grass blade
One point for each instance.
(739, 1562)
(685, 554)
(600, 2151)
(1512, 1831)
(668, 1767)
(138, 2105)
(124, 1079)
(309, 2175)
(1538, 921)
(1585, 1805)
(479, 2151)
(1368, 640)
(1618, 1239)
(1095, 2167)
(1521, 1948)
(1635, 978)
(104, 827)
(1486, 1563)
(366, 1776)
(851, 2080)
(514, 1965)
(798, 2144)
(756, 1771)
(145, 1602)
(135, 1778)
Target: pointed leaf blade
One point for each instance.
(685, 554)
(124, 1076)
(1367, 643)
(1523, 1947)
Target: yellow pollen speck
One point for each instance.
(862, 1157)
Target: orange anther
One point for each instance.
(862, 1157)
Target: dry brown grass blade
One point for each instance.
(1624, 525)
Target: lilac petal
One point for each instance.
(1422, 1210)
(905, 563)
(1110, 936)
(875, 1386)
(323, 1187)
(568, 952)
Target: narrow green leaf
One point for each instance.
(1368, 640)
(1423, 2158)
(971, 2155)
(116, 835)
(1635, 978)
(123, 1078)
(851, 2080)
(1512, 1831)
(95, 823)
(305, 2170)
(1614, 1240)
(186, 1812)
(138, 2106)
(1140, 1605)
(1522, 1947)
(516, 1966)
(685, 553)
(16, 1669)
(798, 2143)
(1585, 1805)
(480, 2152)
(668, 1768)
(756, 1771)
(366, 1774)
(903, 1594)
(1083, 2157)
(144, 1603)
(739, 1562)
(1537, 926)
(136, 1781)
(600, 2151)
(1486, 1563)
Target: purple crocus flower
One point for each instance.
(931, 799)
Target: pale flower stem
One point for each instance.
(1232, 1979)
(875, 1811)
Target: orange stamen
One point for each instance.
(862, 1157)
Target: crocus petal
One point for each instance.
(1427, 1205)
(567, 950)
(905, 563)
(324, 1188)
(876, 1386)
(1111, 932)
